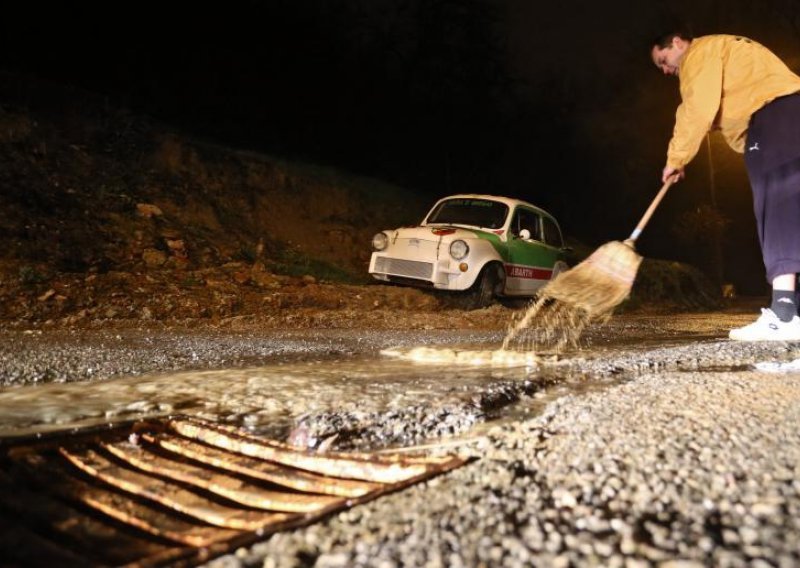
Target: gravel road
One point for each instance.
(659, 443)
(691, 459)
(669, 469)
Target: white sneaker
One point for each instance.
(768, 328)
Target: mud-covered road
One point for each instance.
(658, 441)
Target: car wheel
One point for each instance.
(490, 284)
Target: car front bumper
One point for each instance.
(441, 274)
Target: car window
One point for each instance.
(552, 234)
(474, 212)
(526, 219)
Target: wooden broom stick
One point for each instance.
(650, 210)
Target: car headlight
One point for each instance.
(380, 241)
(459, 249)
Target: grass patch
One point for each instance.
(30, 276)
(673, 283)
(294, 263)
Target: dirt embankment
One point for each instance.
(111, 219)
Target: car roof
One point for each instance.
(510, 201)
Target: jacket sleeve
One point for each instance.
(701, 91)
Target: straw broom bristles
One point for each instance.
(584, 294)
(588, 292)
(598, 284)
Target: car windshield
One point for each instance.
(472, 212)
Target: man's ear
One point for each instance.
(679, 43)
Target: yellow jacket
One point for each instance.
(724, 80)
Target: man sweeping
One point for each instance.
(737, 85)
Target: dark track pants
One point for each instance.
(772, 157)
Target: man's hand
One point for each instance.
(670, 172)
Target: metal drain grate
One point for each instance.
(178, 491)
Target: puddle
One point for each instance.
(468, 357)
(456, 382)
(778, 367)
(267, 398)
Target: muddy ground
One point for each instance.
(235, 296)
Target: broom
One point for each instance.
(588, 292)
(601, 282)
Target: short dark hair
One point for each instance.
(665, 40)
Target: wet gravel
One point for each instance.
(657, 444)
(37, 356)
(351, 427)
(688, 458)
(669, 469)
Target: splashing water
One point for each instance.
(557, 325)
(547, 326)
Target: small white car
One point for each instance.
(482, 245)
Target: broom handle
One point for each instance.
(650, 210)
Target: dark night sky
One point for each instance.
(557, 104)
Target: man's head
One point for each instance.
(668, 50)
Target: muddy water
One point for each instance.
(267, 399)
(271, 383)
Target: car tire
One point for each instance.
(490, 284)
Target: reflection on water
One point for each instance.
(472, 357)
(261, 398)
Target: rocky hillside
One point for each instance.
(94, 197)
(87, 187)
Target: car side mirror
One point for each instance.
(525, 235)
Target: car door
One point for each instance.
(531, 258)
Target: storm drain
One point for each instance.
(178, 491)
